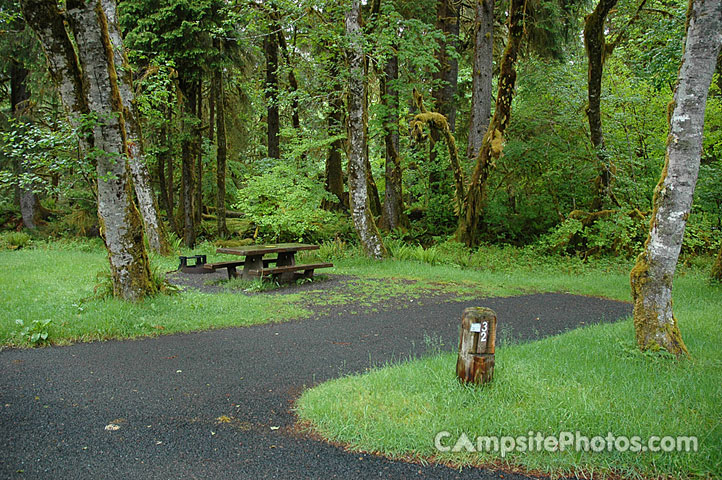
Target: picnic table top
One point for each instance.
(266, 249)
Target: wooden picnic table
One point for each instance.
(257, 263)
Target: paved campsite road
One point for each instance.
(166, 394)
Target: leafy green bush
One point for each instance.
(15, 240)
(617, 232)
(80, 222)
(284, 205)
(37, 333)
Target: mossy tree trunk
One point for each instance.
(222, 149)
(482, 74)
(188, 155)
(30, 208)
(273, 122)
(165, 172)
(493, 141)
(438, 123)
(88, 83)
(393, 215)
(334, 181)
(445, 79)
(595, 45)
(198, 186)
(651, 278)
(292, 80)
(359, 199)
(154, 229)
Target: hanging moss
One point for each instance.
(493, 141)
(439, 123)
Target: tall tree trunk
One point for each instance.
(30, 208)
(160, 171)
(493, 141)
(188, 156)
(393, 210)
(292, 81)
(198, 192)
(170, 178)
(360, 210)
(482, 75)
(154, 229)
(437, 122)
(445, 80)
(165, 174)
(222, 150)
(96, 91)
(334, 164)
(595, 45)
(270, 47)
(212, 109)
(652, 276)
(372, 189)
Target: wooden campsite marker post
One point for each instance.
(475, 363)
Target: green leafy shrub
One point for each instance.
(701, 235)
(557, 240)
(80, 222)
(618, 233)
(37, 333)
(284, 205)
(15, 240)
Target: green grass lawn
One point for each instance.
(591, 380)
(57, 281)
(58, 285)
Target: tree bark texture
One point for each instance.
(188, 155)
(360, 210)
(445, 79)
(334, 164)
(165, 172)
(198, 190)
(393, 215)
(651, 278)
(477, 343)
(46, 20)
(493, 141)
(154, 229)
(19, 95)
(96, 91)
(438, 123)
(221, 150)
(595, 45)
(270, 47)
(482, 74)
(292, 81)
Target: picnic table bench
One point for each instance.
(255, 263)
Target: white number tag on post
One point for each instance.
(484, 332)
(475, 327)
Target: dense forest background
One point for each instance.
(244, 112)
